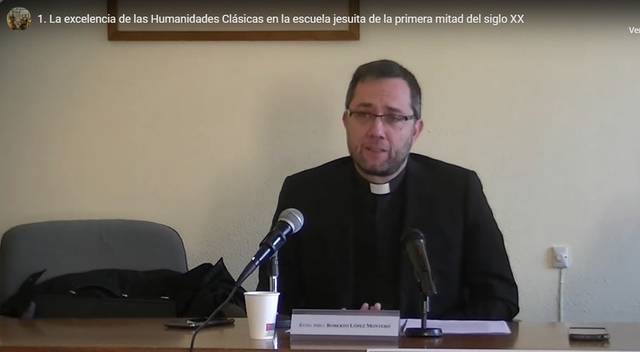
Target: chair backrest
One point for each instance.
(70, 246)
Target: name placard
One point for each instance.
(345, 322)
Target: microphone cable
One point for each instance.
(215, 311)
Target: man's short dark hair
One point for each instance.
(386, 69)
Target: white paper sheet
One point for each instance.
(484, 327)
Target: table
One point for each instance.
(123, 335)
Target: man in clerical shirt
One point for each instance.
(348, 254)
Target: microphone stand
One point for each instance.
(424, 331)
(275, 272)
(282, 321)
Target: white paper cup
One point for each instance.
(261, 313)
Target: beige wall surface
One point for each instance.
(200, 135)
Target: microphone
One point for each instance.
(413, 241)
(289, 222)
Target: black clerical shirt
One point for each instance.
(378, 228)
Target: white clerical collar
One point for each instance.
(380, 188)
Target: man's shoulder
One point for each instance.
(338, 168)
(423, 163)
(328, 170)
(318, 184)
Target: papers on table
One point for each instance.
(484, 327)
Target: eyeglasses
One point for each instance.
(395, 120)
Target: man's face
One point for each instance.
(377, 147)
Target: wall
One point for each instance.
(200, 135)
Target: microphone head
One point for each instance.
(292, 217)
(412, 235)
(414, 242)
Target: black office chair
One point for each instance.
(72, 246)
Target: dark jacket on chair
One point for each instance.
(108, 293)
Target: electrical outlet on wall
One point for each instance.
(560, 257)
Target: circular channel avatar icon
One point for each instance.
(18, 18)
